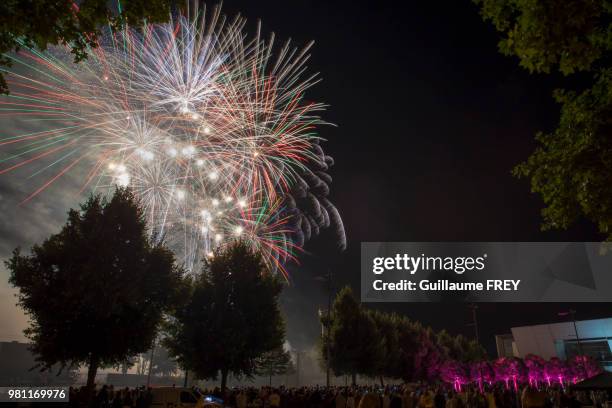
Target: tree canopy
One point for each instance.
(354, 345)
(376, 344)
(572, 166)
(97, 290)
(274, 362)
(40, 23)
(568, 35)
(231, 317)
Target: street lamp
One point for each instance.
(474, 323)
(325, 318)
(572, 314)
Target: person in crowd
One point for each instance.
(340, 399)
(370, 400)
(391, 396)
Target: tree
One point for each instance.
(408, 337)
(163, 364)
(97, 290)
(387, 327)
(40, 23)
(454, 372)
(446, 343)
(467, 351)
(231, 318)
(354, 342)
(274, 362)
(428, 356)
(571, 35)
(481, 372)
(572, 166)
(582, 367)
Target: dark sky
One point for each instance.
(431, 119)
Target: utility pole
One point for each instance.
(325, 317)
(474, 323)
(328, 322)
(572, 314)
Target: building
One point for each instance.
(560, 340)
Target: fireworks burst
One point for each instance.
(209, 127)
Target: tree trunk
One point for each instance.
(223, 380)
(354, 379)
(382, 383)
(94, 363)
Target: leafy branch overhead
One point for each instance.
(40, 23)
(572, 167)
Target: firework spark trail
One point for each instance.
(209, 128)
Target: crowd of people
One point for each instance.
(394, 396)
(411, 396)
(108, 396)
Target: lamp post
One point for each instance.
(572, 314)
(325, 318)
(473, 307)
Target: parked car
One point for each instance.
(180, 397)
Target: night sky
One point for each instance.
(430, 121)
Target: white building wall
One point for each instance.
(541, 339)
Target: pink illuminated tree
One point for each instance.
(535, 369)
(509, 369)
(481, 372)
(454, 372)
(555, 370)
(582, 367)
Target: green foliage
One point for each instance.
(355, 347)
(231, 316)
(409, 343)
(544, 34)
(388, 327)
(377, 344)
(466, 350)
(572, 167)
(274, 362)
(96, 291)
(40, 23)
(163, 363)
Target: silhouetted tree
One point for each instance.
(572, 167)
(446, 343)
(231, 318)
(163, 363)
(96, 291)
(466, 350)
(354, 341)
(387, 326)
(274, 362)
(39, 23)
(428, 356)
